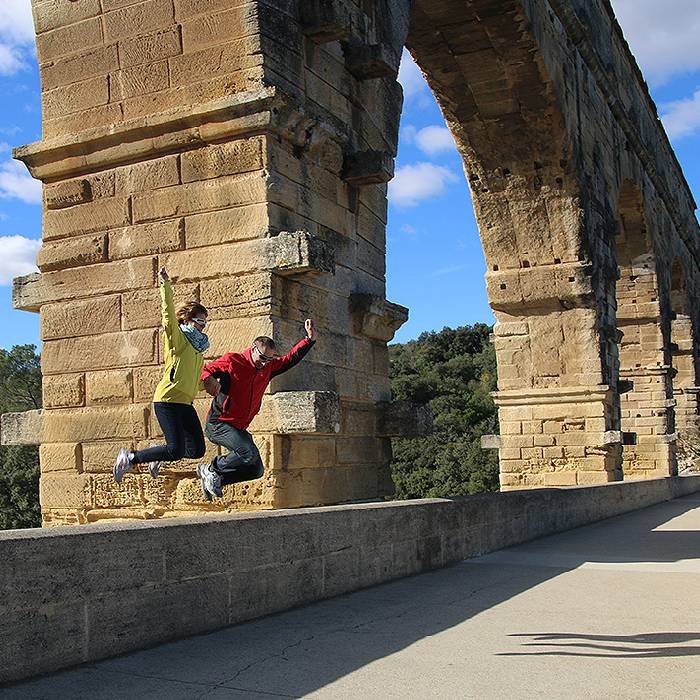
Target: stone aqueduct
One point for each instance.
(247, 146)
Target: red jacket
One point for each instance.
(243, 384)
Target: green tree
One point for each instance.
(20, 390)
(452, 371)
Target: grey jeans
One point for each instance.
(243, 462)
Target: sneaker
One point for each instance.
(122, 465)
(209, 481)
(154, 468)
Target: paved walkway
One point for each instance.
(611, 610)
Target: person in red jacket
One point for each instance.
(237, 381)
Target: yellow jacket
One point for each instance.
(183, 364)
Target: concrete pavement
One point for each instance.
(609, 610)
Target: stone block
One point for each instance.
(150, 48)
(227, 226)
(149, 175)
(231, 158)
(64, 40)
(216, 61)
(73, 252)
(145, 382)
(99, 60)
(75, 97)
(299, 412)
(23, 428)
(147, 239)
(375, 317)
(367, 61)
(138, 80)
(196, 197)
(560, 479)
(61, 490)
(249, 295)
(67, 193)
(206, 30)
(95, 423)
(104, 115)
(98, 457)
(94, 352)
(79, 318)
(235, 335)
(63, 390)
(138, 19)
(60, 456)
(109, 387)
(102, 214)
(58, 13)
(287, 253)
(33, 291)
(142, 309)
(324, 21)
(310, 452)
(368, 167)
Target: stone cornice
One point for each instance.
(550, 395)
(93, 150)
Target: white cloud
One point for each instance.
(414, 183)
(410, 77)
(682, 118)
(17, 183)
(16, 35)
(410, 230)
(434, 139)
(663, 36)
(17, 257)
(447, 270)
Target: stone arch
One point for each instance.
(646, 406)
(684, 368)
(248, 146)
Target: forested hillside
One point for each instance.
(453, 371)
(20, 390)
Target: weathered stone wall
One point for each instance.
(77, 594)
(247, 146)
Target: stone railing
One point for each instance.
(78, 594)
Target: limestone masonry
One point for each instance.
(247, 146)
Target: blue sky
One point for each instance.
(435, 263)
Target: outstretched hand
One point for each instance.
(310, 329)
(212, 386)
(163, 274)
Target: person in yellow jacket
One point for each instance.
(184, 343)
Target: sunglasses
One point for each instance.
(262, 357)
(200, 321)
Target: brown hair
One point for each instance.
(189, 310)
(264, 341)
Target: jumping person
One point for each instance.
(184, 343)
(237, 381)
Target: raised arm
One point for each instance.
(168, 317)
(297, 353)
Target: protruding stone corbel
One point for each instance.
(375, 317)
(370, 61)
(368, 167)
(404, 419)
(312, 412)
(490, 442)
(22, 428)
(297, 252)
(26, 292)
(324, 21)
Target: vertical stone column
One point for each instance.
(216, 139)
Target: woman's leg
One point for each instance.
(194, 437)
(172, 418)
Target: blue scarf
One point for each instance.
(198, 340)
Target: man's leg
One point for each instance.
(243, 462)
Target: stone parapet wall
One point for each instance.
(74, 595)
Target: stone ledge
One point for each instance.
(23, 428)
(375, 317)
(78, 613)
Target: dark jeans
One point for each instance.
(183, 434)
(243, 462)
